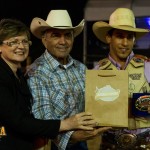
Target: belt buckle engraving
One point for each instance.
(126, 140)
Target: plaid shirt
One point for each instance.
(58, 91)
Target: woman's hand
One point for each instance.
(82, 121)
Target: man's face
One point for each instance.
(121, 44)
(58, 43)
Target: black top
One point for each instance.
(15, 113)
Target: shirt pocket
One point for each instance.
(63, 103)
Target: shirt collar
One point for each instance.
(55, 64)
(117, 64)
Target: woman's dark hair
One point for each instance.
(11, 28)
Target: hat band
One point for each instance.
(62, 26)
(126, 26)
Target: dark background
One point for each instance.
(26, 10)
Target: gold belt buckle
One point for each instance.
(126, 140)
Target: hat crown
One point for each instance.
(122, 17)
(59, 18)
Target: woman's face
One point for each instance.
(15, 49)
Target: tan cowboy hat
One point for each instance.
(121, 18)
(58, 19)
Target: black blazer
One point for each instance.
(15, 113)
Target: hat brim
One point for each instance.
(38, 26)
(101, 29)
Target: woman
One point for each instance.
(20, 126)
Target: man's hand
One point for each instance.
(82, 135)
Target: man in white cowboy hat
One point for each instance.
(120, 34)
(56, 79)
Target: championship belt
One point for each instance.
(126, 140)
(140, 103)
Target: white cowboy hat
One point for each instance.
(121, 18)
(58, 19)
